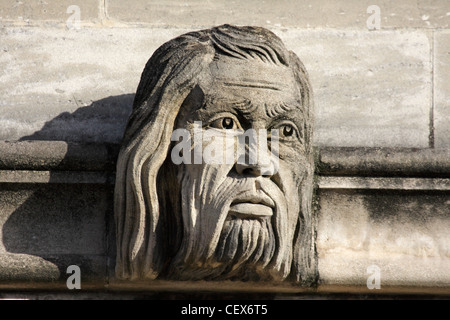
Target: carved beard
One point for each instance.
(245, 247)
(217, 246)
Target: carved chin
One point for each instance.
(247, 249)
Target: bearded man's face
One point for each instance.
(239, 218)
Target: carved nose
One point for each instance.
(256, 160)
(254, 169)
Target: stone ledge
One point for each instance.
(54, 156)
(18, 270)
(407, 162)
(380, 206)
(323, 182)
(65, 177)
(383, 183)
(60, 162)
(57, 155)
(162, 288)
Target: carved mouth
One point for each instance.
(252, 205)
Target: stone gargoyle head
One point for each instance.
(182, 215)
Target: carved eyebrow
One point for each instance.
(274, 110)
(251, 85)
(244, 106)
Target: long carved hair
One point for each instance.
(142, 233)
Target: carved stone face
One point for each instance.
(202, 220)
(239, 219)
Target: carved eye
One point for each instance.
(287, 130)
(226, 123)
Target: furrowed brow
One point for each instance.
(244, 106)
(273, 110)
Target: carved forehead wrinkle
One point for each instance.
(252, 74)
(233, 82)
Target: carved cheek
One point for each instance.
(293, 166)
(292, 174)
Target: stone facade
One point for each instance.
(382, 136)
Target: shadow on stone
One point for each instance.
(54, 225)
(102, 121)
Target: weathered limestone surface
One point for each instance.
(52, 11)
(285, 13)
(382, 88)
(371, 88)
(404, 233)
(46, 228)
(442, 90)
(71, 85)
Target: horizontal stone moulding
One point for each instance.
(383, 183)
(64, 177)
(158, 289)
(61, 156)
(57, 155)
(324, 182)
(406, 162)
